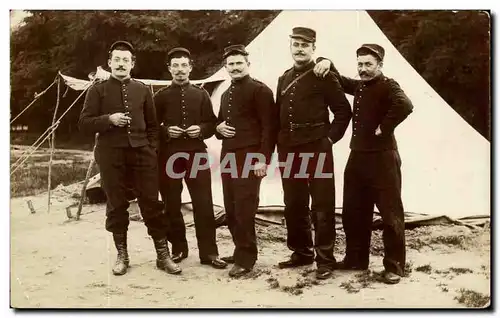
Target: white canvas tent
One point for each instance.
(446, 163)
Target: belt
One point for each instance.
(305, 125)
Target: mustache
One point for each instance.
(363, 73)
(180, 73)
(120, 68)
(235, 71)
(300, 53)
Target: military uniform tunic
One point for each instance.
(248, 106)
(304, 127)
(183, 106)
(373, 171)
(124, 153)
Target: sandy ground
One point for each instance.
(58, 263)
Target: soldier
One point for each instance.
(306, 134)
(122, 111)
(245, 127)
(186, 117)
(373, 172)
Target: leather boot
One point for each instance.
(163, 260)
(122, 261)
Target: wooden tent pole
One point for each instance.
(52, 143)
(86, 182)
(33, 148)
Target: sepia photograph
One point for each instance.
(250, 159)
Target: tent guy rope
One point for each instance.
(37, 96)
(17, 165)
(25, 155)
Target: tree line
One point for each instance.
(451, 50)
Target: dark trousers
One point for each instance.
(298, 190)
(374, 178)
(116, 166)
(241, 200)
(200, 190)
(181, 228)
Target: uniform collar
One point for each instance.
(121, 81)
(183, 85)
(374, 80)
(305, 67)
(242, 80)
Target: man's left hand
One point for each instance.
(193, 131)
(260, 169)
(378, 131)
(322, 68)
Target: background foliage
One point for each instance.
(451, 50)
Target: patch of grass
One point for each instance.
(408, 269)
(62, 141)
(454, 240)
(349, 287)
(424, 268)
(273, 282)
(365, 278)
(413, 240)
(307, 271)
(307, 282)
(362, 280)
(33, 180)
(416, 244)
(456, 270)
(461, 270)
(292, 290)
(439, 236)
(377, 250)
(266, 271)
(340, 243)
(296, 289)
(472, 298)
(300, 285)
(444, 287)
(377, 244)
(271, 233)
(44, 158)
(256, 272)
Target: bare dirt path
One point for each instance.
(56, 263)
